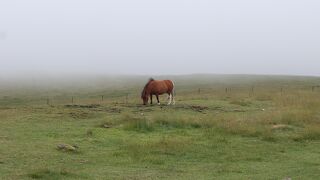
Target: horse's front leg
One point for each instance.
(150, 98)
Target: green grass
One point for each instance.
(212, 135)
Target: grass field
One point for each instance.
(222, 127)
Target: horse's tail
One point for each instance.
(173, 89)
(173, 93)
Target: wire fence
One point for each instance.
(133, 97)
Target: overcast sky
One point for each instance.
(160, 36)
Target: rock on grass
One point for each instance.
(67, 148)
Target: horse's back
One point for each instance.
(166, 84)
(162, 86)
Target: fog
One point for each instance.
(159, 37)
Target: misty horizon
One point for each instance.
(56, 38)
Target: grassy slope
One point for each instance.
(241, 134)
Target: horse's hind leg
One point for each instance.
(158, 99)
(172, 98)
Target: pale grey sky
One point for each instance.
(160, 36)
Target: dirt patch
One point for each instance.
(114, 110)
(89, 106)
(199, 108)
(134, 105)
(241, 103)
(79, 115)
(106, 125)
(95, 107)
(281, 127)
(203, 109)
(193, 107)
(143, 110)
(4, 137)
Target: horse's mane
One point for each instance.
(144, 92)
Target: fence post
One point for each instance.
(252, 90)
(102, 98)
(72, 99)
(199, 91)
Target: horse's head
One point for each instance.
(145, 99)
(144, 94)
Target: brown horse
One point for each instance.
(157, 87)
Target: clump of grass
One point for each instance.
(169, 145)
(153, 151)
(89, 133)
(169, 121)
(241, 128)
(278, 123)
(140, 124)
(181, 121)
(247, 126)
(309, 133)
(50, 174)
(297, 117)
(241, 102)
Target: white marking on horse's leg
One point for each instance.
(170, 99)
(173, 101)
(159, 104)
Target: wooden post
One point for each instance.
(199, 91)
(281, 91)
(252, 90)
(226, 90)
(312, 88)
(102, 98)
(72, 99)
